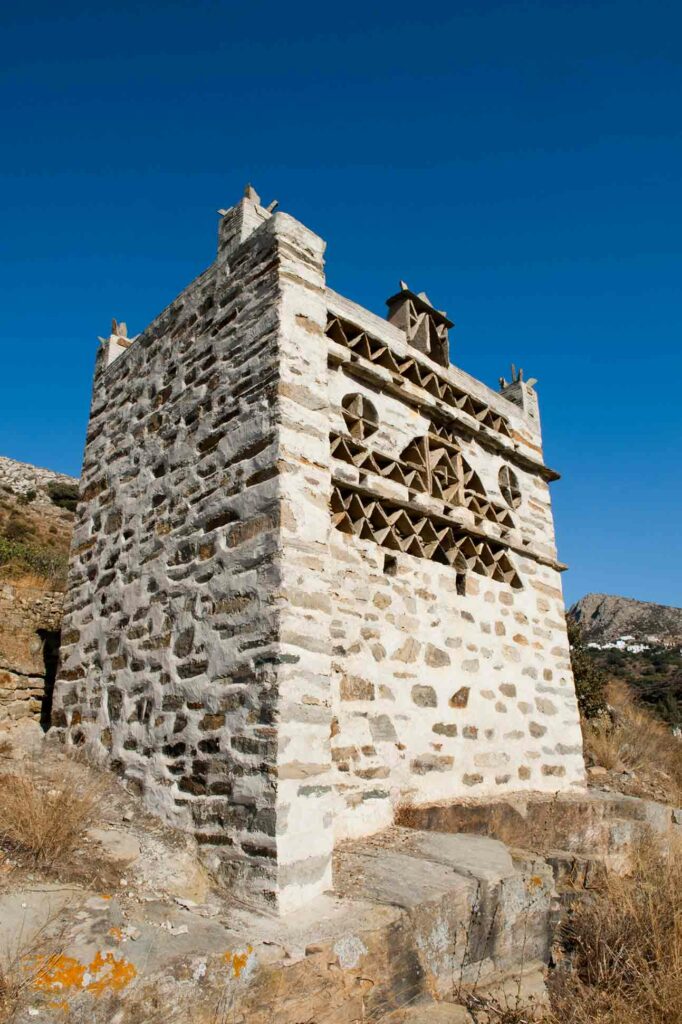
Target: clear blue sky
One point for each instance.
(520, 162)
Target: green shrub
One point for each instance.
(590, 680)
(28, 558)
(63, 495)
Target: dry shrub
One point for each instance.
(625, 944)
(21, 967)
(634, 738)
(602, 742)
(44, 820)
(507, 1010)
(590, 681)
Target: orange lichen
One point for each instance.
(117, 974)
(116, 934)
(59, 1004)
(64, 972)
(238, 961)
(103, 974)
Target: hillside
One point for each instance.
(651, 664)
(606, 617)
(36, 522)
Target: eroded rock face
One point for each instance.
(31, 482)
(314, 572)
(606, 617)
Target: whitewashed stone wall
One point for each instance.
(444, 689)
(273, 668)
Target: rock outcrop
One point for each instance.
(606, 617)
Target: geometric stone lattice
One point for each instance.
(411, 370)
(450, 477)
(432, 464)
(359, 415)
(426, 466)
(509, 487)
(393, 526)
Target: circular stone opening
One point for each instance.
(509, 487)
(360, 415)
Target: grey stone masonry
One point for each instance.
(313, 574)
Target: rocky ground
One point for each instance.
(132, 919)
(455, 905)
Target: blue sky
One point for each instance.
(520, 162)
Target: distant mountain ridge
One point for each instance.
(605, 617)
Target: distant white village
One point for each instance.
(623, 643)
(631, 645)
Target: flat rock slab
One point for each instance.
(400, 880)
(586, 822)
(26, 914)
(405, 867)
(119, 846)
(477, 857)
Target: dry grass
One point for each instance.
(31, 581)
(625, 943)
(635, 739)
(20, 969)
(50, 581)
(44, 821)
(503, 1011)
(602, 744)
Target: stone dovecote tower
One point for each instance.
(314, 571)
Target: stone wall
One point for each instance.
(183, 651)
(29, 637)
(314, 573)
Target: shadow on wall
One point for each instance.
(50, 639)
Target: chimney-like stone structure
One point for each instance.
(425, 328)
(313, 574)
